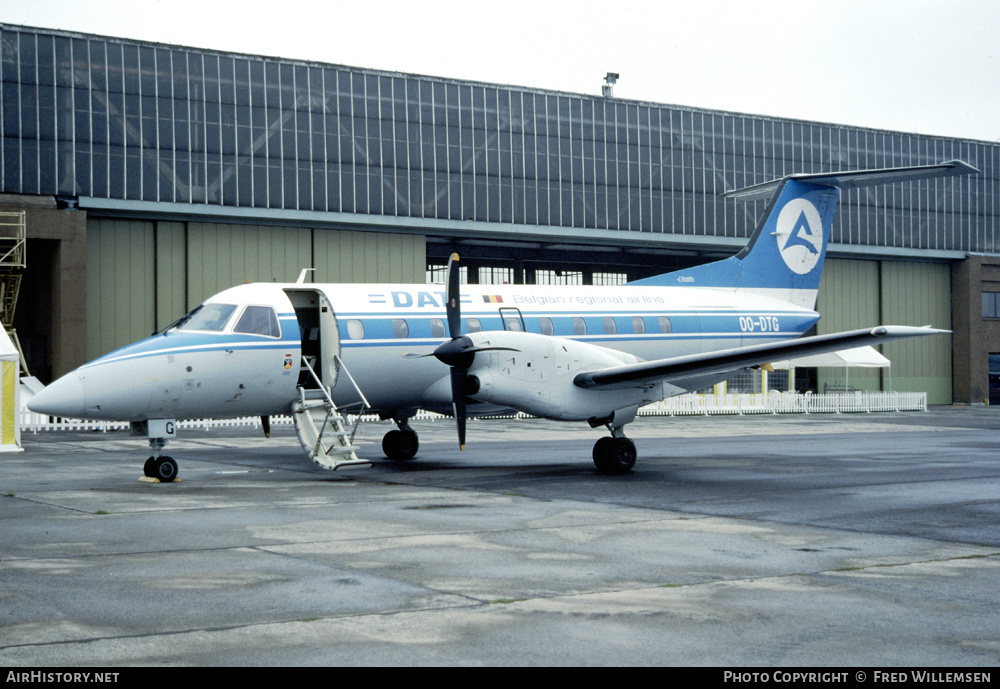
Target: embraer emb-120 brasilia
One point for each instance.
(581, 353)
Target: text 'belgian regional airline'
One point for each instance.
(581, 353)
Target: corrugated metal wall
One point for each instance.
(919, 294)
(143, 275)
(848, 299)
(369, 257)
(121, 284)
(220, 256)
(858, 294)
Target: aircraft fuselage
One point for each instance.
(223, 372)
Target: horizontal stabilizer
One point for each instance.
(859, 178)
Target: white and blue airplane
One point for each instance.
(570, 353)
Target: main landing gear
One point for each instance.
(400, 445)
(614, 455)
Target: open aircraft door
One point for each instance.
(329, 342)
(320, 336)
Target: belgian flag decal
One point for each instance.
(492, 298)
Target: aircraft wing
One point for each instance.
(695, 371)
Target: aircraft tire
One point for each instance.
(400, 445)
(147, 468)
(165, 469)
(614, 455)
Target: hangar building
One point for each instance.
(153, 176)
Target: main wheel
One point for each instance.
(614, 455)
(165, 469)
(147, 468)
(400, 445)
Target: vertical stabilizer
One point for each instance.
(784, 257)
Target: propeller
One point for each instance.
(459, 352)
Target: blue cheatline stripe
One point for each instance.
(187, 343)
(592, 339)
(708, 325)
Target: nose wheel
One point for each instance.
(162, 468)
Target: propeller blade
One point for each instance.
(459, 379)
(453, 299)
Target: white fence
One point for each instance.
(683, 405)
(787, 403)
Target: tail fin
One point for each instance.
(785, 254)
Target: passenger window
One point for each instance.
(513, 324)
(437, 327)
(258, 320)
(545, 324)
(610, 327)
(400, 328)
(638, 325)
(475, 326)
(579, 326)
(355, 329)
(665, 326)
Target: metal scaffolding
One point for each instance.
(13, 240)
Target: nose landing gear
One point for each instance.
(159, 432)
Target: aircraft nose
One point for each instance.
(63, 397)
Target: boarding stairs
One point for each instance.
(320, 427)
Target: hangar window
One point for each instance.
(545, 326)
(579, 326)
(400, 328)
(991, 304)
(665, 325)
(437, 327)
(475, 326)
(207, 317)
(355, 329)
(258, 320)
(638, 325)
(610, 327)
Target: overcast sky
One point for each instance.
(913, 66)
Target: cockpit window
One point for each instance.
(207, 317)
(258, 320)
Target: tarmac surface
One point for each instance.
(820, 540)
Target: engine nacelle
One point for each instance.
(534, 373)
